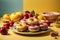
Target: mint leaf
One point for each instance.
(36, 14)
(33, 13)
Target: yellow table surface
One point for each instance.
(13, 36)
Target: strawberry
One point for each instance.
(6, 25)
(3, 31)
(48, 23)
(0, 30)
(11, 23)
(25, 16)
(30, 15)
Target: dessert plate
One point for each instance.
(30, 33)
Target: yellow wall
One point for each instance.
(42, 5)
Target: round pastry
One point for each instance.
(43, 26)
(33, 28)
(19, 13)
(36, 21)
(16, 16)
(21, 27)
(6, 17)
(31, 21)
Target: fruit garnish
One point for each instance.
(40, 17)
(48, 23)
(3, 31)
(0, 29)
(6, 25)
(25, 16)
(11, 23)
(33, 13)
(30, 15)
(27, 12)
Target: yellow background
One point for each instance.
(42, 5)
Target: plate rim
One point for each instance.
(30, 33)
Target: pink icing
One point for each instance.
(34, 27)
(23, 21)
(41, 25)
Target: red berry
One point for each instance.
(6, 25)
(22, 17)
(0, 30)
(30, 15)
(25, 15)
(48, 23)
(11, 23)
(35, 16)
(3, 31)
